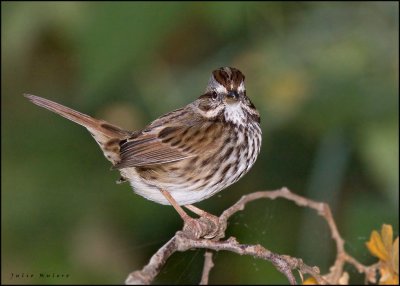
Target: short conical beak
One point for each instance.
(232, 97)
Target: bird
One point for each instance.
(187, 155)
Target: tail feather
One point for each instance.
(106, 135)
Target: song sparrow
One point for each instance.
(187, 155)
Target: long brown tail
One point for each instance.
(106, 134)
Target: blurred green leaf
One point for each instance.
(380, 153)
(118, 38)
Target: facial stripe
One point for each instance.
(252, 113)
(212, 113)
(221, 76)
(220, 89)
(230, 78)
(241, 87)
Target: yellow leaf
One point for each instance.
(382, 247)
(387, 277)
(395, 256)
(376, 246)
(310, 281)
(387, 237)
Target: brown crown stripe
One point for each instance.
(228, 76)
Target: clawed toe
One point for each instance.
(204, 227)
(213, 225)
(194, 228)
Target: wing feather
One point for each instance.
(166, 140)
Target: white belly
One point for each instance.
(183, 196)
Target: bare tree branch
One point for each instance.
(208, 265)
(151, 270)
(183, 241)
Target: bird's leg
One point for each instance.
(201, 213)
(176, 206)
(194, 227)
(210, 217)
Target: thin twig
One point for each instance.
(151, 270)
(282, 263)
(183, 241)
(208, 265)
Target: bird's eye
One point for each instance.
(214, 95)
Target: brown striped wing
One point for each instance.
(166, 144)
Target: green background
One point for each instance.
(324, 77)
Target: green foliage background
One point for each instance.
(324, 76)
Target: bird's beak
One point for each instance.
(232, 97)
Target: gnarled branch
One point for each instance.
(183, 241)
